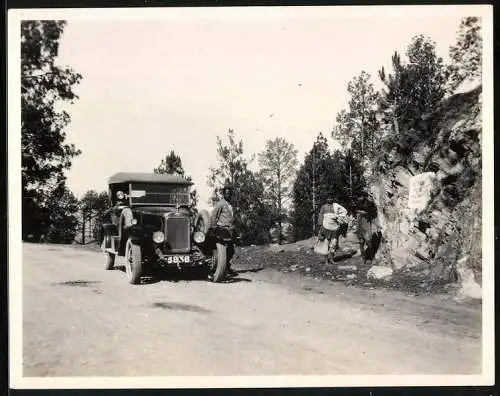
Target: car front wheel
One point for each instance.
(110, 261)
(133, 262)
(219, 263)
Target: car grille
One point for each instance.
(177, 236)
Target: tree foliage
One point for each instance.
(466, 55)
(278, 164)
(62, 220)
(172, 164)
(322, 175)
(45, 155)
(45, 152)
(231, 164)
(252, 214)
(412, 91)
(94, 204)
(55, 221)
(349, 180)
(357, 127)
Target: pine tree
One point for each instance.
(252, 215)
(324, 175)
(466, 55)
(172, 165)
(277, 170)
(61, 212)
(412, 91)
(308, 188)
(45, 154)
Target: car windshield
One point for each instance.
(159, 194)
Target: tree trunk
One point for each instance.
(280, 236)
(373, 138)
(362, 137)
(395, 120)
(350, 181)
(396, 126)
(314, 196)
(280, 225)
(83, 227)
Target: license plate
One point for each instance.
(178, 259)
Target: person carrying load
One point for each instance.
(333, 223)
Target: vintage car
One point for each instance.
(152, 225)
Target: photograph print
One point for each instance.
(251, 197)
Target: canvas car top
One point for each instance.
(127, 177)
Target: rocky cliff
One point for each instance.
(429, 201)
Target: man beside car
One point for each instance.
(222, 221)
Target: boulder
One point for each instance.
(402, 177)
(421, 186)
(468, 287)
(379, 273)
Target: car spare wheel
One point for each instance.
(219, 263)
(133, 262)
(202, 221)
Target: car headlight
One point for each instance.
(158, 237)
(199, 237)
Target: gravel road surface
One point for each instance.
(80, 320)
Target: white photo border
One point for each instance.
(17, 381)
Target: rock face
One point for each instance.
(429, 206)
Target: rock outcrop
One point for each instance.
(435, 234)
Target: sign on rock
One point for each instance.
(420, 190)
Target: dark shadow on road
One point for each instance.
(253, 270)
(185, 275)
(175, 275)
(236, 280)
(312, 289)
(339, 256)
(172, 306)
(81, 283)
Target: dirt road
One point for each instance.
(80, 320)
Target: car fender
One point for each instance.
(136, 232)
(136, 240)
(203, 215)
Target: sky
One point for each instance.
(176, 82)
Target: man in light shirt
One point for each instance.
(332, 236)
(222, 217)
(222, 214)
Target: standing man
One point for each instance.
(222, 217)
(339, 214)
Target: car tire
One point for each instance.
(219, 263)
(202, 221)
(133, 262)
(110, 261)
